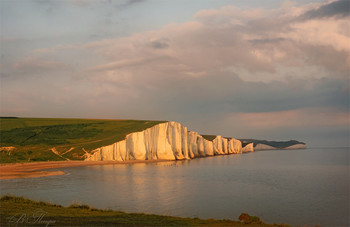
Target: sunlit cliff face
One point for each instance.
(278, 71)
(167, 141)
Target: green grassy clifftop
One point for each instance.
(55, 139)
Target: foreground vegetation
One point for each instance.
(19, 211)
(52, 139)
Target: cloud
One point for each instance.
(32, 65)
(316, 126)
(231, 38)
(267, 40)
(218, 53)
(305, 117)
(120, 64)
(239, 72)
(340, 9)
(159, 44)
(128, 3)
(52, 4)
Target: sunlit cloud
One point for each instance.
(232, 69)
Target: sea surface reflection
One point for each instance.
(283, 186)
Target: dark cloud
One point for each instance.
(159, 44)
(228, 93)
(49, 5)
(328, 57)
(35, 66)
(207, 104)
(339, 8)
(129, 3)
(266, 41)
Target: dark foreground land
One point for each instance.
(19, 211)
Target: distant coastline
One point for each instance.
(263, 147)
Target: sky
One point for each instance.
(274, 70)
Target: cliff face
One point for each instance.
(167, 141)
(296, 146)
(261, 147)
(271, 145)
(248, 148)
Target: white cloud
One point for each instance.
(255, 40)
(230, 69)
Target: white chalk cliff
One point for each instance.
(261, 147)
(248, 148)
(167, 141)
(296, 146)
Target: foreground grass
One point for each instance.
(32, 139)
(19, 211)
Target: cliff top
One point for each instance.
(277, 144)
(39, 139)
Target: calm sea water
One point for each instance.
(282, 186)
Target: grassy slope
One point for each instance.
(278, 144)
(83, 215)
(34, 137)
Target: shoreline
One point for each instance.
(38, 169)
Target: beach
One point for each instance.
(41, 169)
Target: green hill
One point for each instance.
(277, 144)
(55, 139)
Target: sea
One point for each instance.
(296, 187)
